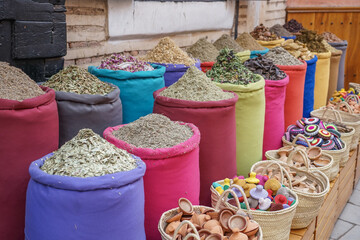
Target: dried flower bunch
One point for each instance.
(153, 131)
(16, 85)
(263, 33)
(78, 80)
(264, 67)
(88, 155)
(166, 51)
(121, 62)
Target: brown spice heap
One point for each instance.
(297, 49)
(331, 37)
(203, 50)
(331, 48)
(78, 80)
(166, 51)
(16, 85)
(263, 33)
(312, 41)
(194, 85)
(153, 131)
(226, 41)
(280, 31)
(246, 41)
(88, 155)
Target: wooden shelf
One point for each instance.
(340, 191)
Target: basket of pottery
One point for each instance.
(350, 120)
(219, 223)
(311, 188)
(259, 201)
(314, 132)
(310, 159)
(352, 105)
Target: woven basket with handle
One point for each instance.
(309, 203)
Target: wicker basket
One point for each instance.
(349, 120)
(347, 138)
(168, 214)
(355, 86)
(275, 225)
(337, 155)
(309, 203)
(327, 169)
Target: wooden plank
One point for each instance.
(357, 167)
(294, 237)
(305, 233)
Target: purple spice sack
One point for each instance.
(71, 208)
(175, 71)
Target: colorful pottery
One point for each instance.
(252, 178)
(283, 191)
(280, 199)
(273, 185)
(258, 192)
(264, 203)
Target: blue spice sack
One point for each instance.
(261, 52)
(136, 89)
(309, 87)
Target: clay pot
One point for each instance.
(251, 229)
(195, 219)
(214, 236)
(203, 218)
(237, 222)
(217, 229)
(225, 215)
(238, 236)
(213, 214)
(177, 217)
(284, 152)
(170, 229)
(321, 162)
(314, 153)
(185, 206)
(204, 233)
(209, 225)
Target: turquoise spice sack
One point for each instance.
(136, 89)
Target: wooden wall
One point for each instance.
(344, 22)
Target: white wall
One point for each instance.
(129, 18)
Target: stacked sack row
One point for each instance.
(235, 109)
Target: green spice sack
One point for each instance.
(231, 75)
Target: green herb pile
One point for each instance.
(229, 69)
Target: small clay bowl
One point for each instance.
(314, 153)
(214, 236)
(225, 215)
(204, 232)
(286, 150)
(237, 222)
(185, 206)
(177, 217)
(321, 162)
(251, 229)
(238, 236)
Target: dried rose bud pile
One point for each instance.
(121, 62)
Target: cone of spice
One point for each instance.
(229, 69)
(282, 57)
(167, 52)
(194, 85)
(263, 33)
(297, 49)
(312, 40)
(331, 37)
(280, 31)
(78, 80)
(246, 41)
(203, 50)
(226, 41)
(16, 85)
(293, 26)
(264, 67)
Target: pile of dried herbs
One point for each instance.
(88, 155)
(246, 41)
(331, 48)
(166, 51)
(263, 33)
(153, 131)
(194, 85)
(297, 49)
(264, 67)
(282, 57)
(226, 41)
(312, 40)
(121, 62)
(330, 37)
(16, 85)
(280, 31)
(293, 26)
(203, 50)
(78, 80)
(229, 69)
